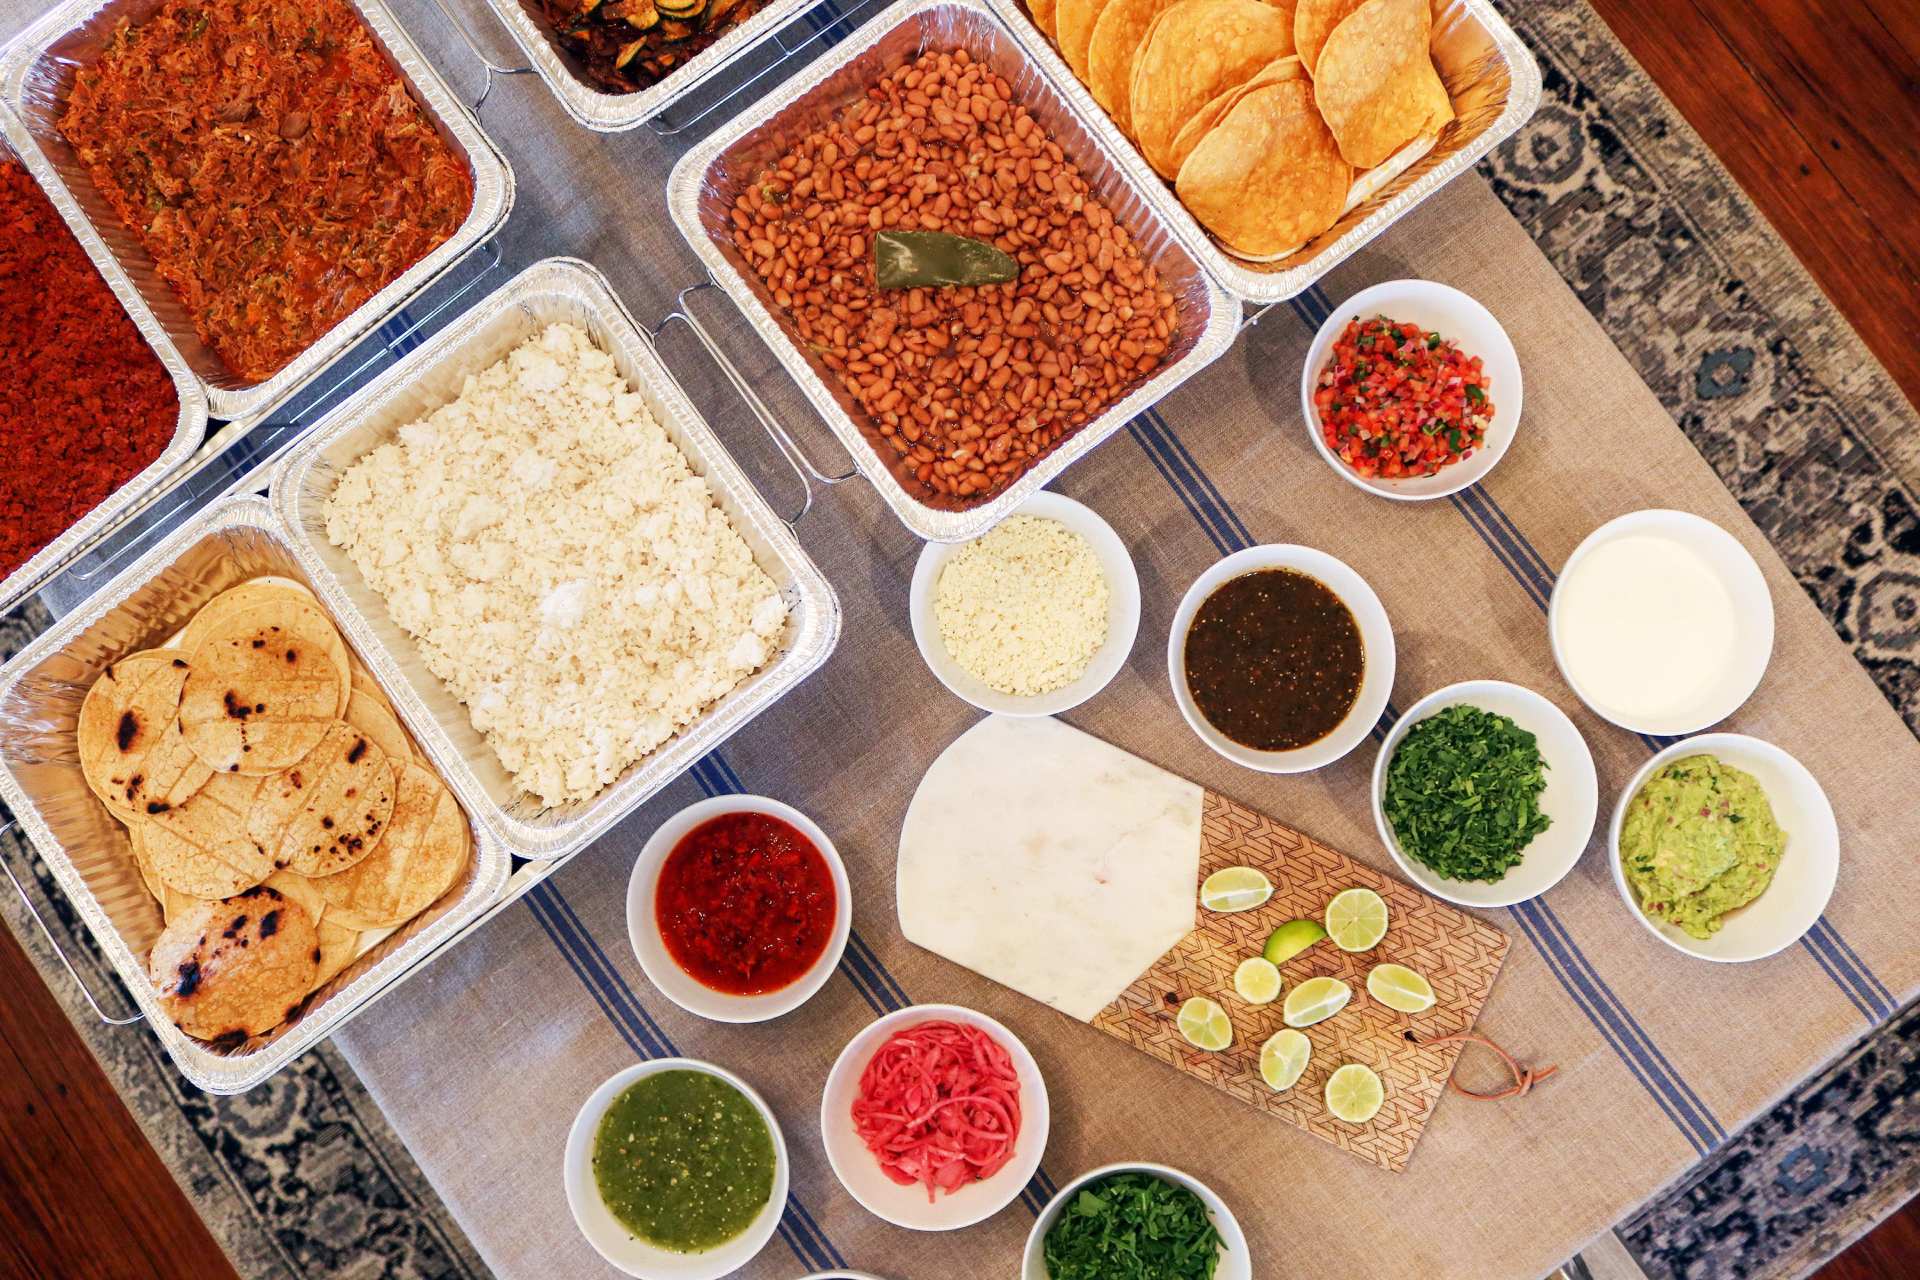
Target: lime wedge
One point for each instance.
(1354, 1094)
(1316, 1000)
(1283, 1058)
(1291, 938)
(1398, 987)
(1357, 920)
(1205, 1025)
(1235, 889)
(1257, 981)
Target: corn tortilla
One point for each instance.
(1196, 50)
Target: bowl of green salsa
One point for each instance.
(676, 1170)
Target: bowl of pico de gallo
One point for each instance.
(1411, 390)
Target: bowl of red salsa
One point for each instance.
(1411, 390)
(738, 908)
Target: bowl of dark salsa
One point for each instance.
(676, 1170)
(738, 908)
(1281, 658)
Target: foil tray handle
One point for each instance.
(803, 466)
(87, 992)
(488, 65)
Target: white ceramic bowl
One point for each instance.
(1376, 635)
(675, 983)
(909, 1207)
(1123, 615)
(1234, 1262)
(619, 1246)
(1788, 907)
(1452, 314)
(1753, 609)
(1571, 800)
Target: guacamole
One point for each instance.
(1698, 841)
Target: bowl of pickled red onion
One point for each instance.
(934, 1117)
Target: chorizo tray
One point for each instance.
(191, 429)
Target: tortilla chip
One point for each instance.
(1269, 176)
(1193, 52)
(200, 848)
(1375, 81)
(1275, 72)
(1313, 22)
(264, 687)
(1075, 33)
(331, 809)
(1116, 39)
(132, 753)
(1042, 13)
(422, 853)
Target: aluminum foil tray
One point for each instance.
(188, 432)
(37, 71)
(558, 289)
(617, 112)
(41, 690)
(1495, 85)
(701, 191)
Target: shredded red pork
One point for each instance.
(272, 162)
(939, 1104)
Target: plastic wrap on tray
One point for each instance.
(701, 192)
(36, 72)
(555, 291)
(41, 691)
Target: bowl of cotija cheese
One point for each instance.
(1032, 617)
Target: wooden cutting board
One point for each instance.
(1069, 870)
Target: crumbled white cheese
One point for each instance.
(1024, 608)
(563, 569)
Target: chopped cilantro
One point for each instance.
(1133, 1226)
(1463, 793)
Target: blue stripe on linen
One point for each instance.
(861, 964)
(1536, 577)
(553, 914)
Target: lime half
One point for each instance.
(1235, 889)
(1283, 1058)
(1357, 920)
(1257, 981)
(1205, 1025)
(1316, 1000)
(1354, 1094)
(1398, 987)
(1291, 938)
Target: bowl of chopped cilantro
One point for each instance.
(1485, 793)
(1411, 390)
(1136, 1222)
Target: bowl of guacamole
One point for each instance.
(676, 1170)
(1725, 847)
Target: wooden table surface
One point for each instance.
(1811, 104)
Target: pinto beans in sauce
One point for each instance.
(971, 386)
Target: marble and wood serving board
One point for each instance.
(1069, 870)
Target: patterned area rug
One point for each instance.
(302, 1177)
